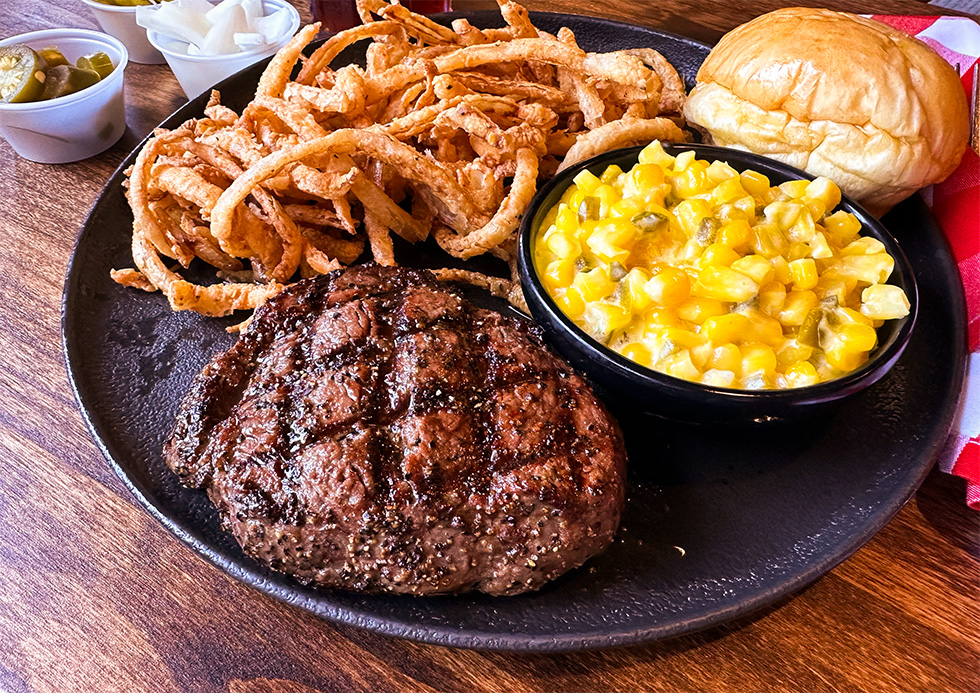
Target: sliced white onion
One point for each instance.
(230, 26)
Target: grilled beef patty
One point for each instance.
(372, 430)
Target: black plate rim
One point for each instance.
(283, 588)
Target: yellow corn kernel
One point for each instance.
(610, 240)
(607, 196)
(601, 319)
(802, 374)
(735, 233)
(842, 356)
(645, 177)
(833, 284)
(655, 197)
(857, 336)
(571, 302)
(689, 215)
(586, 181)
(863, 246)
(611, 174)
(719, 255)
(718, 378)
(746, 206)
(719, 171)
(804, 273)
(697, 309)
(564, 245)
(797, 250)
(690, 181)
(758, 359)
(758, 268)
(843, 315)
(680, 365)
(724, 284)
(701, 354)
(593, 284)
(842, 227)
(824, 190)
(685, 160)
(884, 302)
(768, 240)
(628, 207)
(764, 329)
(726, 357)
(684, 339)
(772, 298)
(791, 352)
(658, 319)
(727, 190)
(559, 274)
(755, 183)
(816, 208)
(567, 221)
(804, 228)
(794, 189)
(780, 269)
(691, 252)
(772, 195)
(819, 247)
(798, 304)
(654, 153)
(728, 212)
(783, 214)
(722, 329)
(638, 353)
(873, 269)
(668, 287)
(634, 284)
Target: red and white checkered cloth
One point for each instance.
(956, 204)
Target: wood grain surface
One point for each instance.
(96, 596)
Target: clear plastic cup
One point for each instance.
(76, 126)
(120, 21)
(198, 73)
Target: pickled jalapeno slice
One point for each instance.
(62, 80)
(38, 75)
(21, 75)
(97, 62)
(50, 57)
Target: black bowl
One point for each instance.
(671, 397)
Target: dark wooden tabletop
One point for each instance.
(95, 595)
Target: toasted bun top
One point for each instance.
(860, 102)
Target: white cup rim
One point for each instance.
(102, 85)
(154, 37)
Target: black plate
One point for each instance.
(718, 523)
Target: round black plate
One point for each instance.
(718, 522)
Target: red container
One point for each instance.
(337, 15)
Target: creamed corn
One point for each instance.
(705, 273)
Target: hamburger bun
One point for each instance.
(868, 106)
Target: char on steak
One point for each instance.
(373, 430)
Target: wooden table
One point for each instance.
(96, 596)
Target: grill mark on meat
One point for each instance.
(371, 430)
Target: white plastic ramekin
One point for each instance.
(198, 73)
(120, 21)
(76, 126)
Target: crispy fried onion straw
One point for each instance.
(442, 131)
